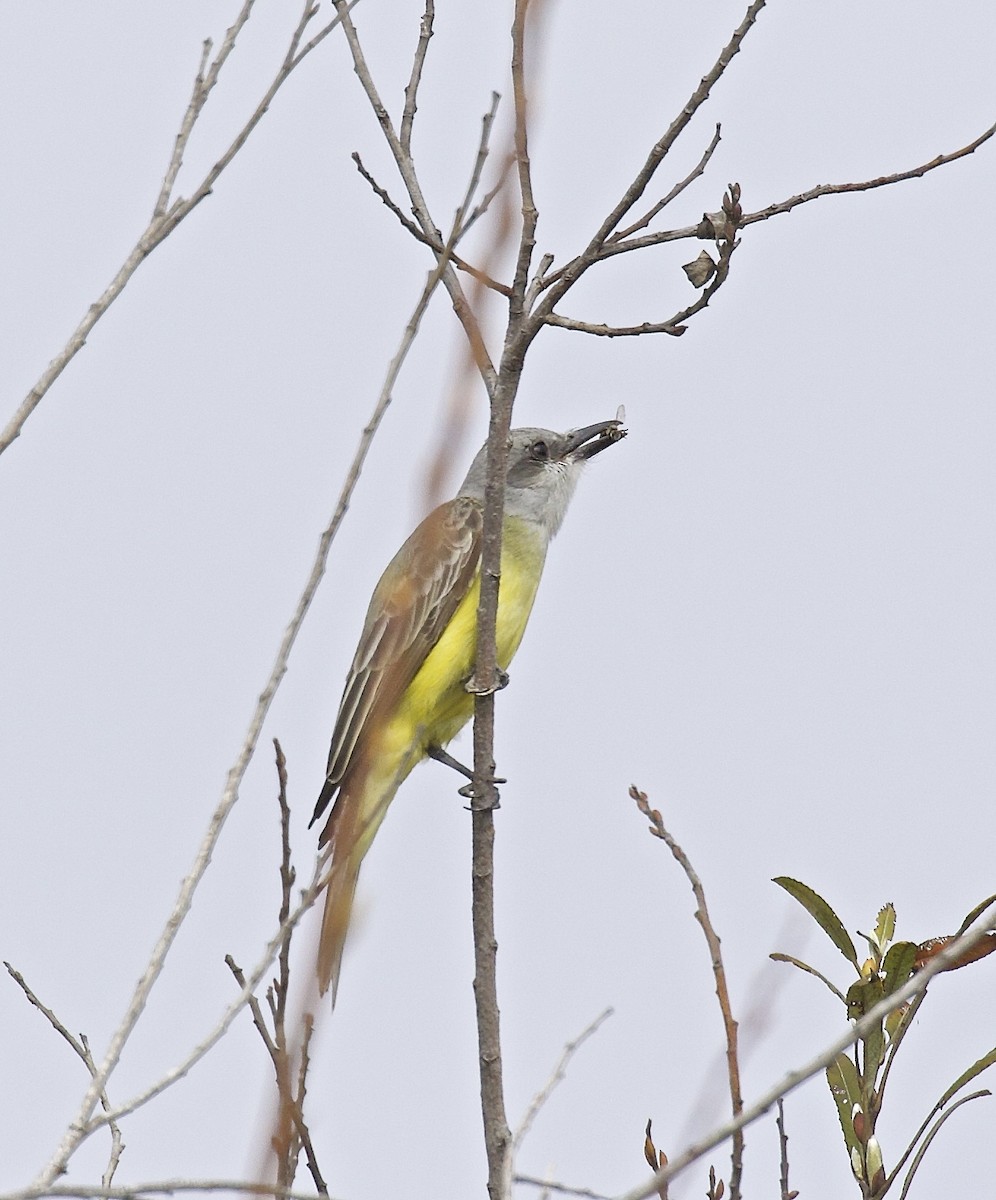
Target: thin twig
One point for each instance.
(157, 1187)
(461, 223)
(291, 1108)
(556, 1077)
(443, 250)
(837, 189)
(613, 331)
(204, 83)
(723, 227)
(529, 215)
(783, 1158)
(657, 828)
(564, 1189)
(411, 91)
(673, 194)
(787, 958)
(406, 169)
(81, 1046)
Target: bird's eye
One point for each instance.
(540, 450)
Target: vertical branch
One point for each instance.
(527, 241)
(497, 1135)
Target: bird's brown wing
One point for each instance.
(411, 606)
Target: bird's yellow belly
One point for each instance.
(436, 704)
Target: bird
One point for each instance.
(406, 693)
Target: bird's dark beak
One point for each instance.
(593, 439)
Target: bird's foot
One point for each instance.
(469, 790)
(482, 799)
(499, 681)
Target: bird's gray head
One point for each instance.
(543, 470)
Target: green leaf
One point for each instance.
(898, 965)
(822, 913)
(885, 926)
(975, 913)
(975, 1069)
(795, 962)
(894, 1020)
(842, 1076)
(874, 1047)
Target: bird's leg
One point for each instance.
(440, 755)
(500, 681)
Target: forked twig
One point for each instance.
(81, 1047)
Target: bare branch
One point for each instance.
(697, 170)
(82, 1048)
(658, 829)
(434, 244)
(157, 1187)
(489, 197)
(418, 62)
(556, 1077)
(551, 1185)
(197, 99)
(462, 222)
(527, 238)
(406, 169)
(783, 1161)
(203, 85)
(612, 331)
(836, 189)
(722, 225)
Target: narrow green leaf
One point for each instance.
(898, 965)
(975, 1069)
(843, 1081)
(929, 1138)
(894, 1020)
(795, 962)
(974, 914)
(822, 913)
(874, 1051)
(885, 926)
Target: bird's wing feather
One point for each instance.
(411, 606)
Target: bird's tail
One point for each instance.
(343, 874)
(359, 809)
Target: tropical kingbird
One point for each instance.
(406, 694)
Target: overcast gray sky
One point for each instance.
(771, 607)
